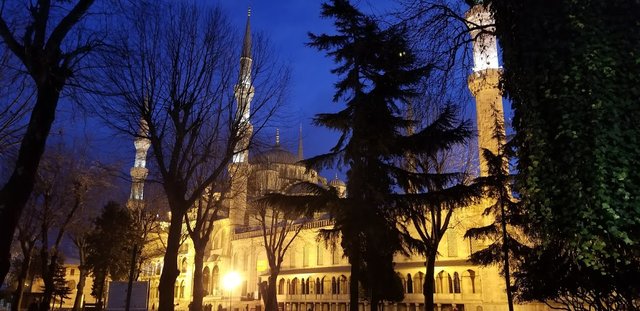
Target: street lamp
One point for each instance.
(230, 281)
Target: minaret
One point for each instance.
(243, 92)
(483, 81)
(139, 171)
(239, 169)
(300, 153)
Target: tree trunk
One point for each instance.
(198, 288)
(16, 192)
(22, 277)
(49, 285)
(77, 303)
(428, 289)
(271, 294)
(170, 269)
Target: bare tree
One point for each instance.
(280, 225)
(175, 71)
(200, 224)
(27, 235)
(63, 183)
(40, 36)
(16, 99)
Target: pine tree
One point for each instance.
(379, 75)
(110, 246)
(60, 289)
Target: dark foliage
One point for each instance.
(572, 73)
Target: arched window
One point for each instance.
(158, 268)
(343, 285)
(470, 282)
(334, 286)
(308, 287)
(409, 284)
(303, 286)
(418, 283)
(215, 280)
(440, 284)
(281, 287)
(294, 287)
(206, 281)
(456, 283)
(318, 289)
(184, 265)
(326, 285)
(450, 283)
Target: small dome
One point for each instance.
(336, 182)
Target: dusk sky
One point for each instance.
(286, 23)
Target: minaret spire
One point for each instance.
(243, 92)
(246, 43)
(300, 155)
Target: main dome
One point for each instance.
(276, 154)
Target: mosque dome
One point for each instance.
(276, 154)
(336, 182)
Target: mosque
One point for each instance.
(315, 276)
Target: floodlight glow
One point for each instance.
(231, 280)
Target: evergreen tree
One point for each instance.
(109, 247)
(60, 289)
(378, 76)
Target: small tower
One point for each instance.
(239, 168)
(139, 170)
(483, 81)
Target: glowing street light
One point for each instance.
(230, 281)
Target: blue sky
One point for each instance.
(286, 23)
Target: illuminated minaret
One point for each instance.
(139, 171)
(483, 82)
(239, 169)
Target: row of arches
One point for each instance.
(324, 285)
(466, 282)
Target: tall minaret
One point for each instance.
(483, 82)
(239, 169)
(139, 171)
(300, 152)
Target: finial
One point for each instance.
(277, 137)
(300, 155)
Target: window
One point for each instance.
(305, 256)
(409, 284)
(320, 251)
(456, 283)
(336, 256)
(72, 272)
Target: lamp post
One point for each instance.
(230, 281)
